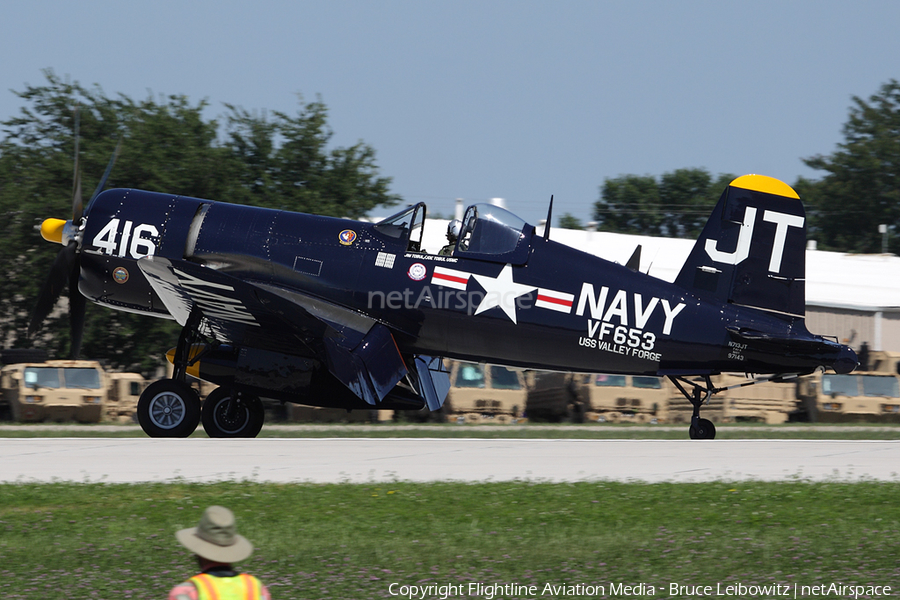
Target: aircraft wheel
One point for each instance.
(703, 430)
(168, 408)
(224, 415)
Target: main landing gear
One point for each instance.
(701, 429)
(171, 408)
(227, 413)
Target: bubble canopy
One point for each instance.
(494, 233)
(488, 232)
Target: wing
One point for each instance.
(359, 351)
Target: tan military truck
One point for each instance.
(485, 394)
(555, 397)
(591, 397)
(871, 395)
(764, 402)
(57, 390)
(648, 399)
(625, 398)
(124, 392)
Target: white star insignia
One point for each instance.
(501, 291)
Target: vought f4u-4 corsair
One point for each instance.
(337, 313)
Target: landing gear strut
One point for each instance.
(169, 407)
(701, 429)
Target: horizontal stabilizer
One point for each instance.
(837, 356)
(748, 336)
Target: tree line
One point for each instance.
(859, 191)
(275, 160)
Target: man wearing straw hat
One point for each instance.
(216, 544)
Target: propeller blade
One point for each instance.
(109, 167)
(76, 176)
(66, 269)
(77, 209)
(53, 287)
(77, 304)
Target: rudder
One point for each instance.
(752, 251)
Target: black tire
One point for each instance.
(168, 408)
(245, 421)
(703, 430)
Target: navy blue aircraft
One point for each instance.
(338, 313)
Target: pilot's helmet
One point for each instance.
(453, 228)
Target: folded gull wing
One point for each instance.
(360, 352)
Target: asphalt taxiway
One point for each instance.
(360, 460)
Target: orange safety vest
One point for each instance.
(239, 587)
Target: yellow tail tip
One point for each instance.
(768, 185)
(52, 230)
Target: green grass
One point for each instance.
(352, 541)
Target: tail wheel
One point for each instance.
(703, 430)
(226, 413)
(168, 408)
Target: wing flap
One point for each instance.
(372, 368)
(433, 380)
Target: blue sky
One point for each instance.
(480, 99)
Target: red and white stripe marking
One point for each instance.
(451, 278)
(558, 301)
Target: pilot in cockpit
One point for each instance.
(452, 235)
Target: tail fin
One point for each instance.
(752, 250)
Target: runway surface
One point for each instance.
(359, 460)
